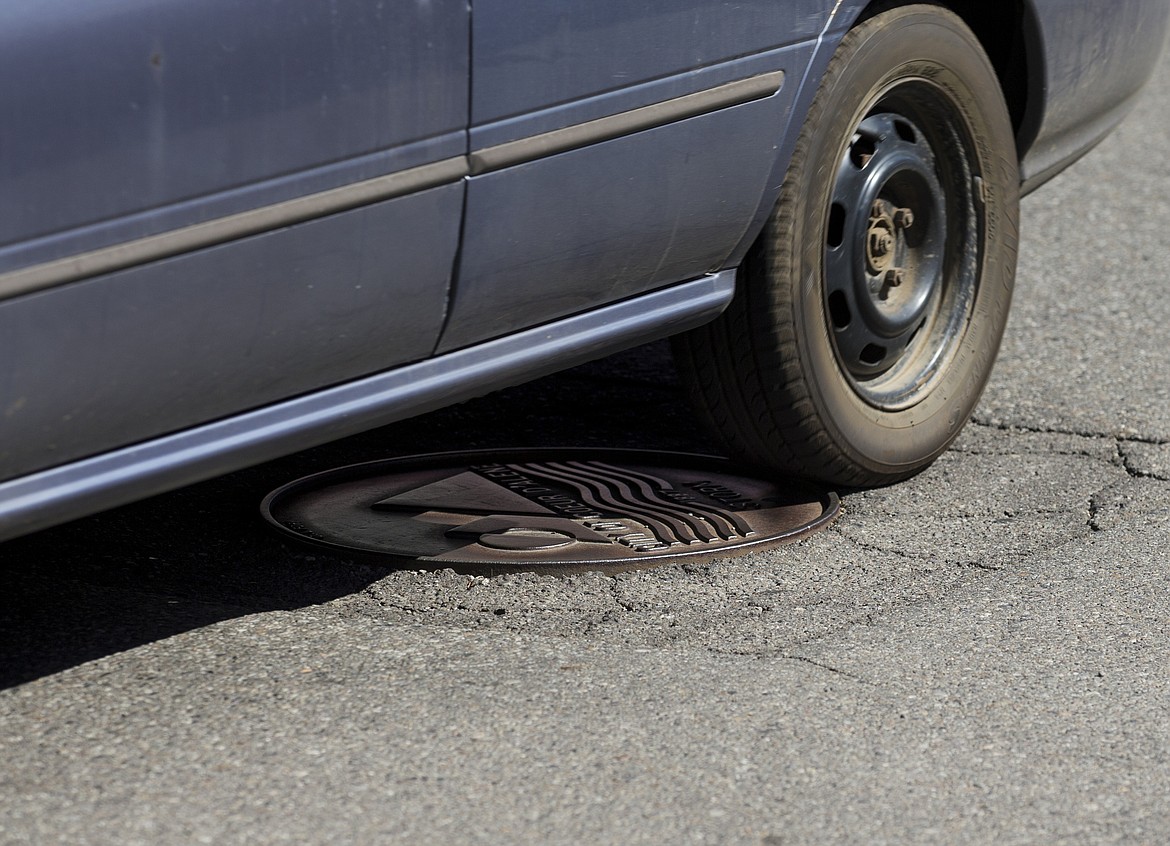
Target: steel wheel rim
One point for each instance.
(901, 245)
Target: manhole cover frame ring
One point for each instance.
(829, 501)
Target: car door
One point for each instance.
(210, 206)
(616, 147)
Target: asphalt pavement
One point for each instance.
(978, 655)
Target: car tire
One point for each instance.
(869, 311)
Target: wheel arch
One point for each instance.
(1009, 33)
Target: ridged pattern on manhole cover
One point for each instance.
(546, 510)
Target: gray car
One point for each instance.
(230, 229)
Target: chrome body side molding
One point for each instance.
(266, 218)
(231, 227)
(624, 123)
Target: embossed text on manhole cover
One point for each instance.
(546, 510)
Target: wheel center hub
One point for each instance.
(891, 291)
(880, 241)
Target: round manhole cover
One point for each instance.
(546, 510)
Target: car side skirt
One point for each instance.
(53, 496)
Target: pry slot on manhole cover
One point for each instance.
(547, 510)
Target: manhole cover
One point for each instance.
(546, 510)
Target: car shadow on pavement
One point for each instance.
(202, 554)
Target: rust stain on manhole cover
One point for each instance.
(557, 511)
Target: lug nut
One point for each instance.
(881, 243)
(895, 277)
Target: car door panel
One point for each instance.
(121, 358)
(626, 214)
(159, 101)
(228, 204)
(555, 236)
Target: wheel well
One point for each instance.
(1008, 32)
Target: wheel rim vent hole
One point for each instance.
(872, 354)
(839, 310)
(861, 150)
(905, 132)
(836, 231)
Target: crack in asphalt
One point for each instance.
(1126, 459)
(1095, 510)
(788, 656)
(1120, 437)
(1123, 457)
(866, 546)
(837, 670)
